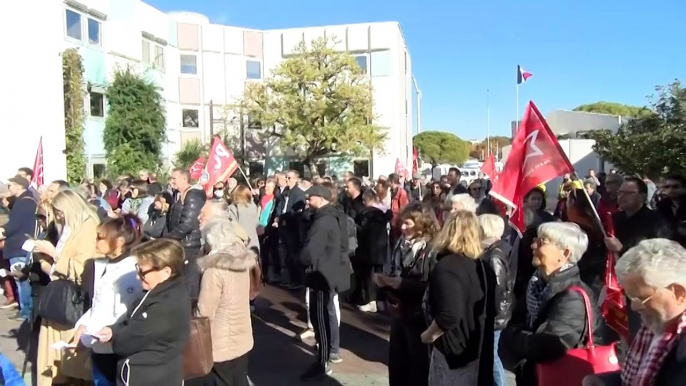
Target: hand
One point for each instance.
(111, 214)
(427, 337)
(592, 380)
(275, 224)
(613, 244)
(377, 278)
(2, 233)
(77, 335)
(104, 335)
(45, 247)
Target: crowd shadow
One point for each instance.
(27, 344)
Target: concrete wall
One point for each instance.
(31, 101)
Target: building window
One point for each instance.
(189, 64)
(190, 118)
(93, 32)
(97, 102)
(73, 24)
(256, 169)
(98, 171)
(146, 52)
(361, 168)
(159, 57)
(362, 62)
(253, 69)
(381, 63)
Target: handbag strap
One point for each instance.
(589, 314)
(484, 313)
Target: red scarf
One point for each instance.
(643, 364)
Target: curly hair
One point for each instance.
(424, 218)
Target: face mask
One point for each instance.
(219, 193)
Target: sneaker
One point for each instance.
(370, 307)
(316, 372)
(335, 358)
(16, 318)
(306, 334)
(9, 306)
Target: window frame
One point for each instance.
(152, 59)
(90, 104)
(88, 31)
(181, 65)
(365, 69)
(247, 69)
(183, 118)
(66, 24)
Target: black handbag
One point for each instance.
(62, 301)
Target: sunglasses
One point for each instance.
(142, 273)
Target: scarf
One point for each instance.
(645, 359)
(537, 293)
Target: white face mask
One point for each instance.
(219, 193)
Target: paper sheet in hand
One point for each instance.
(3, 272)
(61, 345)
(28, 246)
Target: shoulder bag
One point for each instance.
(63, 301)
(577, 363)
(197, 355)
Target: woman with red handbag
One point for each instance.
(553, 316)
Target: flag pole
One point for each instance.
(517, 117)
(488, 123)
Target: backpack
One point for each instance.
(352, 235)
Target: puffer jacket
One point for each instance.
(498, 259)
(225, 300)
(183, 222)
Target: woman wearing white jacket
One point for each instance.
(116, 287)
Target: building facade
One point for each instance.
(198, 64)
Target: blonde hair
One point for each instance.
(461, 234)
(75, 210)
(162, 253)
(241, 195)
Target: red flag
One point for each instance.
(400, 169)
(415, 161)
(535, 158)
(220, 165)
(197, 168)
(37, 179)
(613, 308)
(488, 168)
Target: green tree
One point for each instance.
(135, 126)
(613, 109)
(317, 103)
(189, 152)
(74, 94)
(653, 143)
(439, 147)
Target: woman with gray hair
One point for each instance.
(225, 300)
(496, 255)
(653, 275)
(554, 313)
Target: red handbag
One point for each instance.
(577, 363)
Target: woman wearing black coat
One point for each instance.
(150, 340)
(552, 318)
(372, 248)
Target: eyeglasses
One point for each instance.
(142, 274)
(541, 242)
(639, 301)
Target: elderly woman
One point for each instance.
(459, 307)
(225, 300)
(552, 319)
(150, 339)
(463, 201)
(653, 275)
(496, 255)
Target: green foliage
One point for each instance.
(317, 103)
(74, 94)
(135, 126)
(478, 150)
(189, 152)
(653, 143)
(613, 109)
(439, 147)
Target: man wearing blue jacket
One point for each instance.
(22, 222)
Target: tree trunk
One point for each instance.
(310, 169)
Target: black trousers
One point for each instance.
(320, 304)
(408, 359)
(269, 255)
(228, 373)
(365, 289)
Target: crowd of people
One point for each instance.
(468, 296)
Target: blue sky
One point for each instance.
(579, 51)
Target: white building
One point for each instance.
(194, 63)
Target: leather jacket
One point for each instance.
(183, 224)
(504, 296)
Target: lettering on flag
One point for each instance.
(196, 170)
(221, 164)
(536, 158)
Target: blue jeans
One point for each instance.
(498, 369)
(23, 290)
(104, 369)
